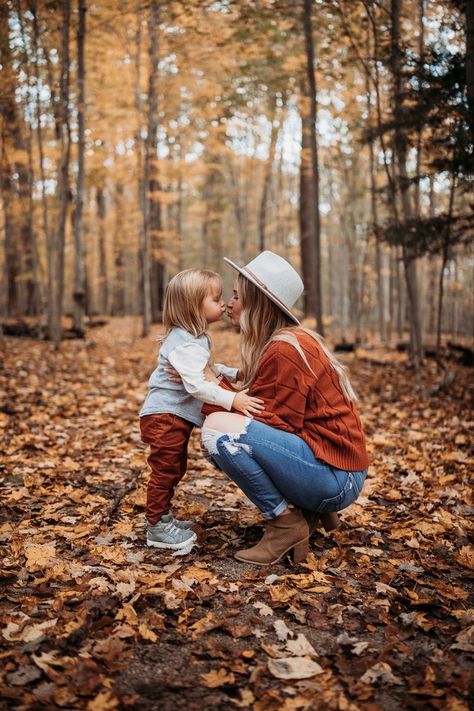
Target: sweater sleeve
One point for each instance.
(281, 384)
(190, 360)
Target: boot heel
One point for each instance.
(300, 551)
(330, 521)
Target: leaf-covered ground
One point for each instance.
(378, 618)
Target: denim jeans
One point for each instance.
(274, 468)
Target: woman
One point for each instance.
(304, 457)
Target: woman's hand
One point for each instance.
(247, 404)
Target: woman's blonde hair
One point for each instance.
(261, 322)
(183, 301)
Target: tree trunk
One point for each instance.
(39, 137)
(374, 209)
(79, 275)
(6, 193)
(103, 296)
(419, 138)
(400, 153)
(306, 223)
(444, 262)
(144, 249)
(267, 177)
(118, 289)
(470, 61)
(31, 260)
(153, 206)
(239, 219)
(315, 224)
(19, 261)
(56, 252)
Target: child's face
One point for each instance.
(213, 307)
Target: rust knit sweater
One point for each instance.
(313, 408)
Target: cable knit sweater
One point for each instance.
(309, 404)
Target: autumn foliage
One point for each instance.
(377, 618)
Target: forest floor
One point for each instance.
(378, 618)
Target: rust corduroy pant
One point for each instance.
(168, 437)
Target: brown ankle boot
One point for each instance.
(329, 521)
(290, 531)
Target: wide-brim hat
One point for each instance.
(276, 278)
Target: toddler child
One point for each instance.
(171, 409)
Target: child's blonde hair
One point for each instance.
(183, 301)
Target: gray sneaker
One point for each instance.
(168, 517)
(167, 535)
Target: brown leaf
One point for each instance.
(215, 678)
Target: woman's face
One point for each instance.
(234, 306)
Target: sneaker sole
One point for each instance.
(172, 546)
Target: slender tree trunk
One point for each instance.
(470, 61)
(267, 177)
(31, 261)
(6, 194)
(419, 138)
(118, 291)
(21, 287)
(56, 255)
(444, 262)
(280, 231)
(315, 214)
(144, 249)
(306, 223)
(39, 138)
(374, 208)
(400, 152)
(103, 297)
(153, 210)
(79, 275)
(239, 220)
(432, 310)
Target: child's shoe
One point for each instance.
(165, 534)
(168, 517)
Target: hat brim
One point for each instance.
(267, 293)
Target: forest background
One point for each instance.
(141, 137)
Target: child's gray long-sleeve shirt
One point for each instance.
(189, 356)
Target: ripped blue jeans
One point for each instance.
(274, 468)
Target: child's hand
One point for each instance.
(173, 375)
(247, 404)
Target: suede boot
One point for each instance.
(329, 521)
(290, 531)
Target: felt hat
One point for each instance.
(276, 278)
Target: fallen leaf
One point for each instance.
(29, 632)
(380, 672)
(104, 701)
(294, 668)
(465, 640)
(219, 677)
(282, 631)
(264, 610)
(300, 647)
(466, 557)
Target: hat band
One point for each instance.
(265, 287)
